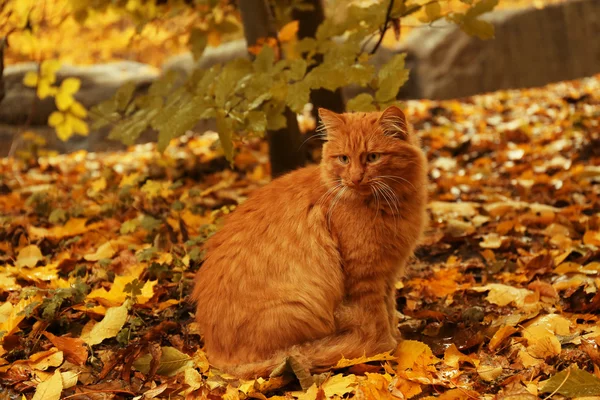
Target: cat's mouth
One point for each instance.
(364, 189)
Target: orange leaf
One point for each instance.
(73, 349)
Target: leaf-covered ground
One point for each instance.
(98, 253)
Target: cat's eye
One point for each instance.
(372, 157)
(344, 159)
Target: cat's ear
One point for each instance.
(393, 123)
(330, 120)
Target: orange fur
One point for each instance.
(307, 265)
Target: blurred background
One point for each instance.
(66, 62)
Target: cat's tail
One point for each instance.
(325, 352)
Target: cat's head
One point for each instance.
(367, 152)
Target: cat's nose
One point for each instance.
(356, 181)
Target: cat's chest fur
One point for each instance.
(368, 237)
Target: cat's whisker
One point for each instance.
(321, 136)
(385, 196)
(376, 195)
(333, 204)
(329, 193)
(394, 177)
(389, 197)
(392, 195)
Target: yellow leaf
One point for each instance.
(503, 295)
(49, 68)
(5, 311)
(50, 389)
(29, 256)
(45, 89)
(73, 227)
(31, 79)
(46, 359)
(432, 12)
(155, 189)
(64, 100)
(8, 282)
(453, 357)
(38, 274)
(79, 125)
(500, 335)
(98, 185)
(69, 379)
(200, 361)
(338, 385)
(64, 131)
(110, 325)
(17, 315)
(343, 363)
(22, 10)
(56, 118)
(131, 179)
(106, 250)
(407, 388)
(193, 379)
(116, 296)
(70, 85)
(411, 354)
(78, 110)
(489, 372)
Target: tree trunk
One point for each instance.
(284, 144)
(309, 22)
(2, 68)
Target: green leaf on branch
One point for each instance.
(225, 130)
(256, 121)
(470, 23)
(231, 74)
(362, 102)
(391, 77)
(298, 95)
(264, 60)
(275, 118)
(163, 85)
(128, 130)
(123, 96)
(297, 69)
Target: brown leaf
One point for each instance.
(74, 349)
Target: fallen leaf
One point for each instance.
(110, 325)
(339, 385)
(106, 250)
(343, 363)
(592, 237)
(46, 359)
(500, 335)
(74, 349)
(453, 357)
(29, 256)
(50, 389)
(573, 382)
(171, 362)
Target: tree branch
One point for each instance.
(384, 27)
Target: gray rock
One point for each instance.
(98, 83)
(533, 47)
(184, 63)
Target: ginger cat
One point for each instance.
(307, 266)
